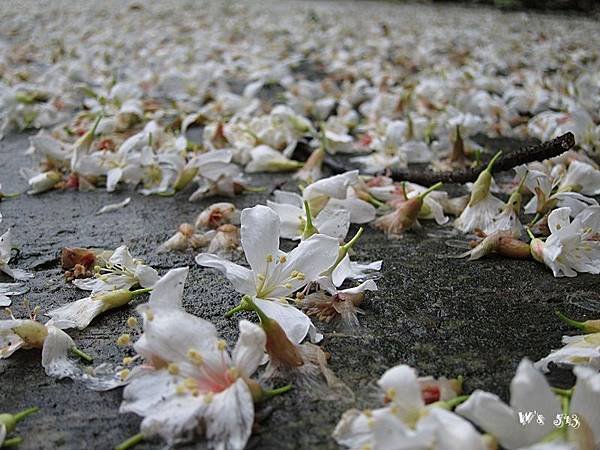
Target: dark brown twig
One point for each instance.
(427, 177)
(539, 152)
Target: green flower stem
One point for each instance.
(344, 250)
(531, 236)
(264, 319)
(141, 291)
(568, 321)
(376, 202)
(563, 392)
(131, 442)
(96, 123)
(13, 195)
(255, 189)
(12, 442)
(25, 413)
(243, 306)
(522, 182)
(492, 161)
(404, 193)
(353, 241)
(453, 403)
(430, 190)
(535, 220)
(309, 228)
(269, 393)
(81, 354)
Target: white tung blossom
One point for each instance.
(122, 271)
(572, 246)
(188, 377)
(274, 275)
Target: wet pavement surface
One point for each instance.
(443, 316)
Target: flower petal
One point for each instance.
(229, 417)
(250, 347)
(291, 219)
(559, 219)
(55, 354)
(77, 314)
(493, 416)
(152, 395)
(334, 187)
(240, 277)
(530, 391)
(168, 291)
(402, 388)
(452, 432)
(294, 322)
(585, 400)
(259, 236)
(311, 258)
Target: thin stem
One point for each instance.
(141, 291)
(535, 220)
(255, 189)
(259, 312)
(282, 390)
(568, 321)
(376, 202)
(522, 182)
(96, 123)
(81, 354)
(493, 160)
(12, 442)
(131, 442)
(563, 392)
(26, 412)
(404, 193)
(13, 195)
(566, 404)
(352, 241)
(237, 309)
(530, 233)
(431, 189)
(309, 228)
(453, 403)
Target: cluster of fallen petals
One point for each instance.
(425, 413)
(198, 116)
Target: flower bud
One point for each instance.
(402, 219)
(280, 349)
(216, 215)
(43, 182)
(185, 178)
(481, 188)
(115, 299)
(8, 421)
(513, 248)
(536, 246)
(226, 238)
(32, 332)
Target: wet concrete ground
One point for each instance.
(443, 316)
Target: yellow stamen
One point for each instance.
(195, 357)
(124, 339)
